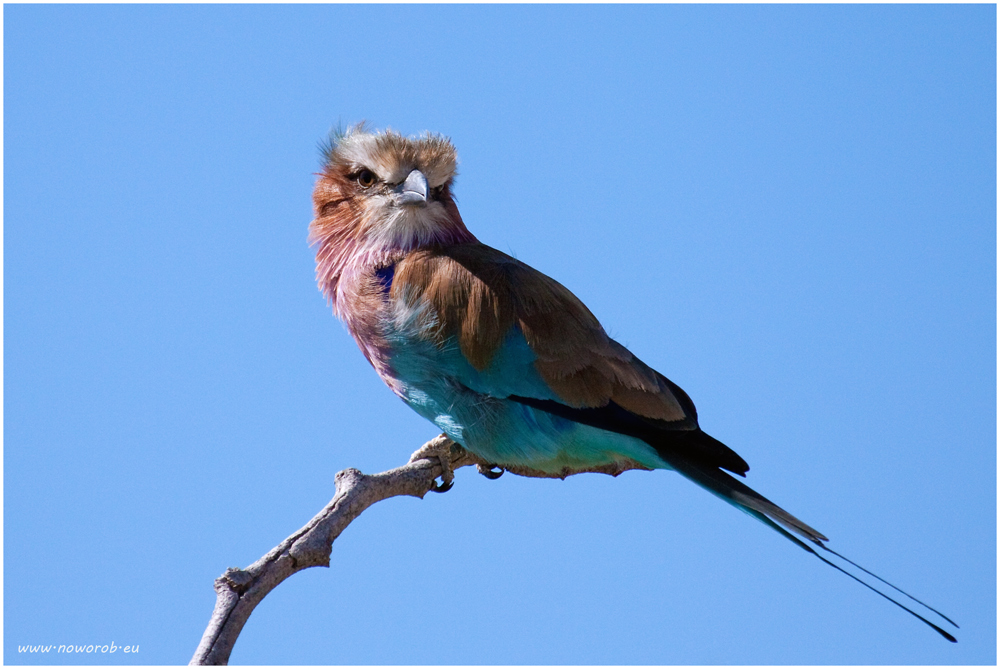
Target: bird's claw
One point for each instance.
(444, 487)
(488, 471)
(438, 449)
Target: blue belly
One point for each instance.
(471, 407)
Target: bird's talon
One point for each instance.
(489, 472)
(444, 487)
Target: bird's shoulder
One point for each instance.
(479, 293)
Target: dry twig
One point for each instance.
(239, 591)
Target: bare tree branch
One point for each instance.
(238, 591)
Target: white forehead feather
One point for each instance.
(392, 156)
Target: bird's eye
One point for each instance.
(366, 178)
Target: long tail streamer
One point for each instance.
(940, 631)
(788, 535)
(923, 604)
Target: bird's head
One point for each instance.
(379, 196)
(387, 189)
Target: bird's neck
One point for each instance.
(346, 256)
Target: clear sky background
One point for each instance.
(788, 210)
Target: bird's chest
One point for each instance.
(400, 334)
(417, 352)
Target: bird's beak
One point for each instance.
(413, 190)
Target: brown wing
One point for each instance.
(479, 293)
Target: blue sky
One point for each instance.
(788, 210)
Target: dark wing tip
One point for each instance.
(715, 452)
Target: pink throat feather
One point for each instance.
(344, 257)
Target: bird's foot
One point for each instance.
(492, 472)
(438, 448)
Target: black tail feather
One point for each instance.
(897, 589)
(746, 499)
(937, 629)
(740, 495)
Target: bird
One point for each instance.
(504, 360)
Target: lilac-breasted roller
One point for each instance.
(503, 359)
